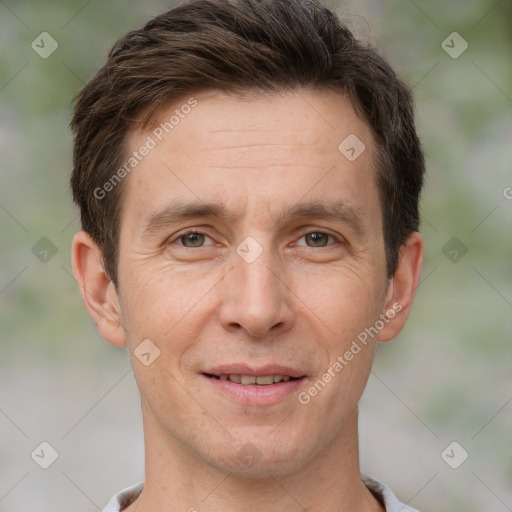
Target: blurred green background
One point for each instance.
(447, 377)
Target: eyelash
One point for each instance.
(189, 232)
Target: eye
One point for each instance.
(317, 239)
(191, 239)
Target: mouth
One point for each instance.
(251, 380)
(255, 386)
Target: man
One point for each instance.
(248, 177)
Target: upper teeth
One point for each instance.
(250, 379)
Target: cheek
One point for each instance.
(344, 309)
(158, 297)
(345, 300)
(349, 312)
(170, 308)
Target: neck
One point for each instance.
(176, 479)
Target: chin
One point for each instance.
(259, 461)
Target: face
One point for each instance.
(251, 250)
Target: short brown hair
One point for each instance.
(235, 46)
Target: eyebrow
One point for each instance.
(328, 210)
(184, 210)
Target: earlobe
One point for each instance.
(98, 291)
(402, 288)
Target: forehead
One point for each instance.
(262, 147)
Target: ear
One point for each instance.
(402, 287)
(98, 291)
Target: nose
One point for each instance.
(255, 297)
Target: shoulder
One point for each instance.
(386, 495)
(124, 498)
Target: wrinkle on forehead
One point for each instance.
(285, 143)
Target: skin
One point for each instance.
(301, 303)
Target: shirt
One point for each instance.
(127, 496)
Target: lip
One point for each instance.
(255, 395)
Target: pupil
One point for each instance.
(194, 239)
(317, 238)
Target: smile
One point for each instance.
(254, 387)
(248, 380)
